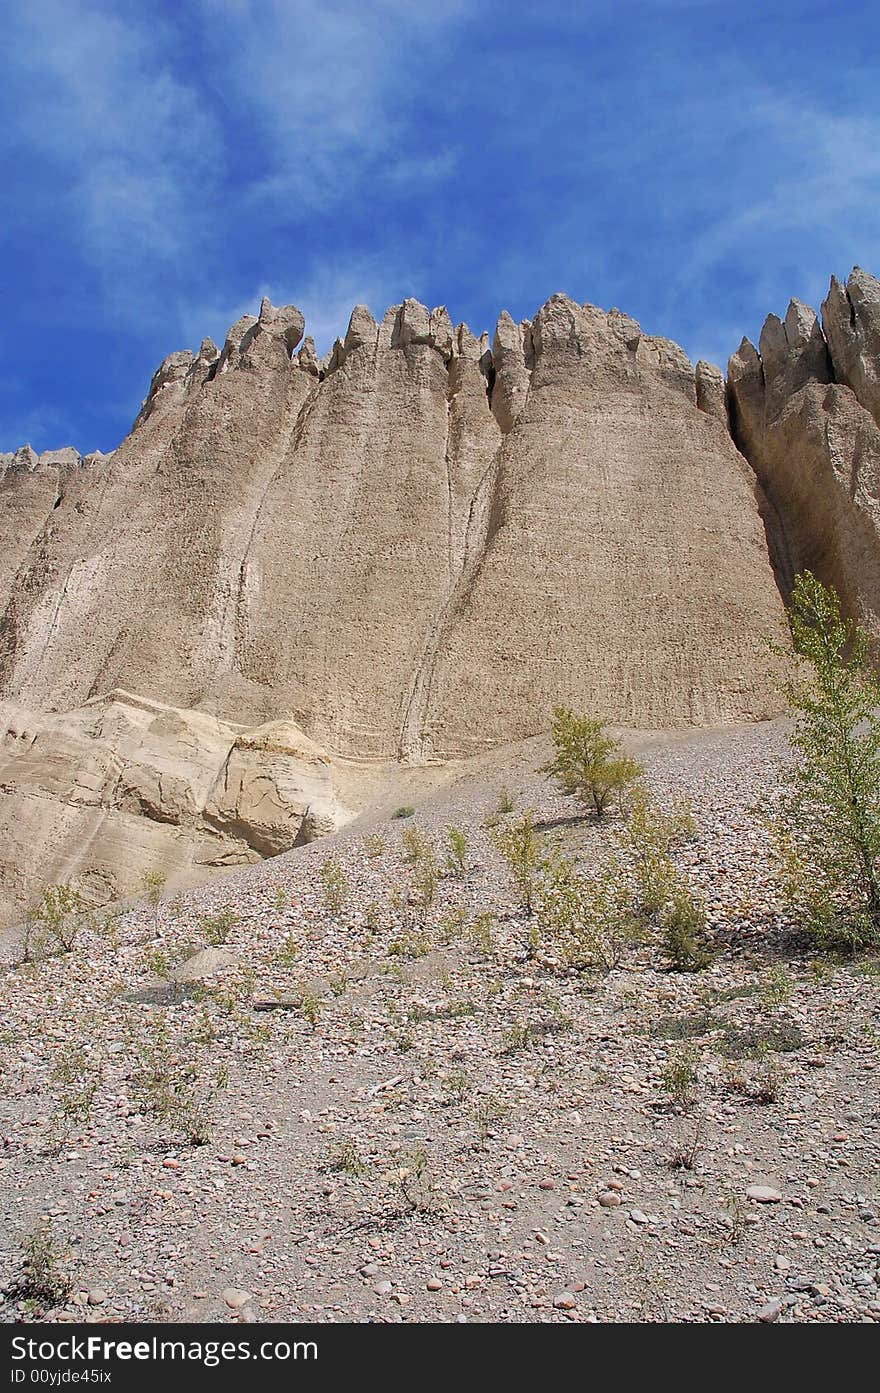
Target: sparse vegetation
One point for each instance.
(588, 763)
(412, 1180)
(76, 1077)
(487, 1111)
(761, 1081)
(153, 885)
(216, 928)
(414, 845)
(54, 923)
(479, 933)
(647, 838)
(310, 1006)
(346, 1158)
(425, 880)
(335, 886)
(679, 1078)
(456, 851)
(176, 1081)
(828, 827)
(45, 1280)
(687, 1152)
(683, 929)
(375, 844)
(520, 846)
(590, 919)
(777, 987)
(403, 812)
(412, 943)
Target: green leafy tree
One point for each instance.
(829, 825)
(589, 763)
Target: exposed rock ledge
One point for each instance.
(122, 785)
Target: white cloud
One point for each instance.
(289, 108)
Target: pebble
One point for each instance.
(772, 1310)
(609, 1199)
(235, 1298)
(764, 1194)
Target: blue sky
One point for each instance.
(691, 162)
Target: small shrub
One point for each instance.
(457, 1085)
(375, 844)
(410, 944)
(53, 926)
(505, 803)
(777, 987)
(457, 850)
(453, 924)
(828, 826)
(45, 1277)
(176, 1082)
(679, 1078)
(217, 927)
(414, 845)
(371, 917)
(403, 812)
(520, 846)
(346, 1157)
(157, 962)
(590, 919)
(335, 885)
(425, 879)
(288, 952)
(153, 885)
(588, 763)
(683, 926)
(686, 1154)
(411, 1180)
(648, 836)
(487, 1112)
(518, 1037)
(76, 1076)
(479, 933)
(310, 1007)
(762, 1082)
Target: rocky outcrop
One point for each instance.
(122, 785)
(410, 550)
(804, 409)
(416, 529)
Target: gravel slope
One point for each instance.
(448, 1129)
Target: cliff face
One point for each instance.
(805, 410)
(418, 530)
(412, 550)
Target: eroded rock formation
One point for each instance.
(123, 785)
(411, 550)
(805, 410)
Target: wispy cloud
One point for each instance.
(166, 165)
